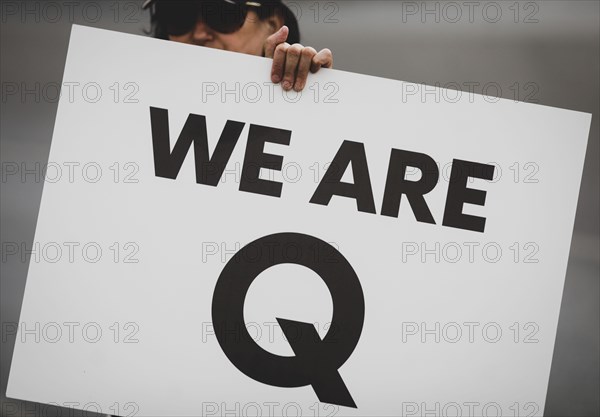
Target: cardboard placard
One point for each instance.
(209, 244)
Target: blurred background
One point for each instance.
(545, 52)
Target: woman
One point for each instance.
(262, 27)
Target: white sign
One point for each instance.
(208, 244)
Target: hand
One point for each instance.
(291, 63)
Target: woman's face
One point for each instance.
(249, 39)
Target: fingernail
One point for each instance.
(287, 85)
(275, 78)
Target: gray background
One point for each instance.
(552, 45)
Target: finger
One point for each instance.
(323, 59)
(275, 39)
(279, 62)
(291, 64)
(306, 58)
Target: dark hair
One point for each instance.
(268, 9)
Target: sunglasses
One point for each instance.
(223, 16)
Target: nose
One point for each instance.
(202, 33)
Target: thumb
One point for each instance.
(275, 39)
